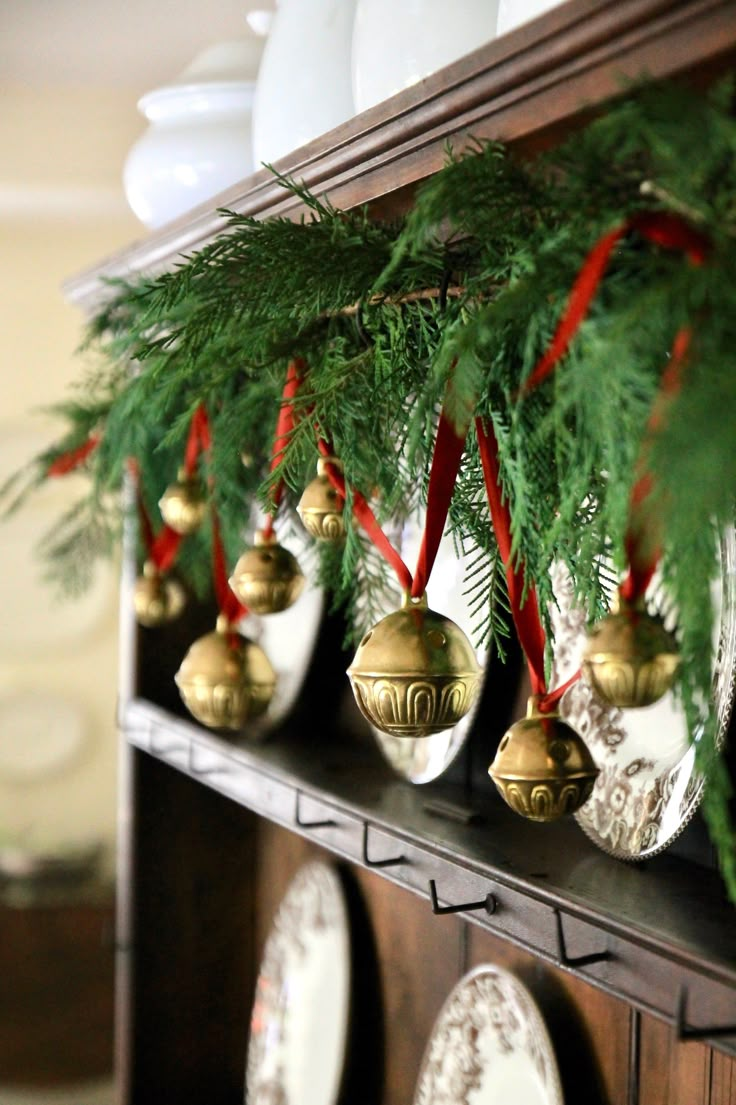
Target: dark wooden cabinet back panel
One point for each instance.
(722, 1079)
(676, 1073)
(670, 1074)
(420, 960)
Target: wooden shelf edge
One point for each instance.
(518, 88)
(649, 964)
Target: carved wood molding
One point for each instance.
(525, 88)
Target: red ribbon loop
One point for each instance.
(198, 441)
(672, 232)
(449, 447)
(284, 429)
(581, 295)
(528, 624)
(67, 462)
(227, 601)
(669, 231)
(365, 516)
(448, 451)
(643, 550)
(162, 548)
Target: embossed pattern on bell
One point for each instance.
(324, 527)
(415, 673)
(631, 659)
(543, 769)
(267, 578)
(225, 684)
(627, 685)
(224, 705)
(545, 801)
(411, 707)
(320, 509)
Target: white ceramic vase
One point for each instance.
(512, 13)
(304, 81)
(398, 42)
(199, 140)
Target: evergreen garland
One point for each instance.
(470, 286)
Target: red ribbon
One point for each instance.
(198, 441)
(67, 462)
(448, 451)
(162, 548)
(284, 429)
(367, 518)
(663, 229)
(528, 624)
(642, 551)
(671, 232)
(227, 601)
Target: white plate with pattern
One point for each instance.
(301, 1013)
(647, 789)
(489, 1046)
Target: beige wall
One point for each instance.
(61, 209)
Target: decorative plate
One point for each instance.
(421, 759)
(489, 1046)
(300, 1020)
(289, 637)
(647, 790)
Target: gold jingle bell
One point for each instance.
(225, 680)
(543, 769)
(415, 673)
(630, 659)
(321, 505)
(157, 599)
(267, 578)
(183, 504)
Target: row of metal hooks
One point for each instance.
(489, 904)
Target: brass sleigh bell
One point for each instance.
(321, 506)
(157, 599)
(543, 768)
(183, 504)
(630, 659)
(225, 680)
(415, 673)
(267, 578)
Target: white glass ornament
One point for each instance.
(397, 44)
(303, 85)
(199, 140)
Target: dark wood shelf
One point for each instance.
(666, 925)
(526, 87)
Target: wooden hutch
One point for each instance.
(628, 962)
